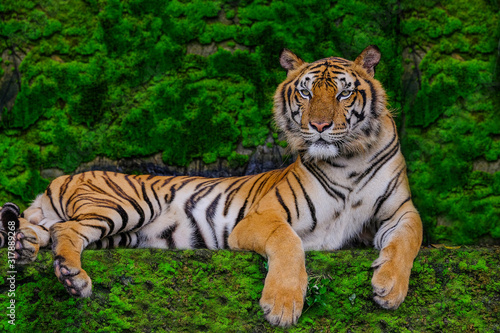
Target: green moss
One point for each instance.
(114, 79)
(453, 121)
(157, 290)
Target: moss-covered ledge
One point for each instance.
(453, 290)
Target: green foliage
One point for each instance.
(453, 122)
(195, 79)
(219, 291)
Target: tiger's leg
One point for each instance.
(286, 281)
(399, 241)
(29, 236)
(69, 239)
(29, 239)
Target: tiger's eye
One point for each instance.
(305, 92)
(345, 93)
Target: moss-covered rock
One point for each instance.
(452, 290)
(192, 82)
(452, 120)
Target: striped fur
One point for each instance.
(348, 184)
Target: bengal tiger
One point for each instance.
(348, 183)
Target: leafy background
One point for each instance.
(191, 82)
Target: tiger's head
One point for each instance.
(330, 107)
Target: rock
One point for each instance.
(486, 166)
(263, 158)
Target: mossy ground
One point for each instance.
(451, 290)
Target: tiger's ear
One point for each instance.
(368, 59)
(289, 60)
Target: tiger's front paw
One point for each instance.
(27, 246)
(75, 279)
(283, 298)
(390, 283)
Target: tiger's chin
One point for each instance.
(323, 150)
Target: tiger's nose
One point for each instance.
(320, 127)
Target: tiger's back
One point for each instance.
(150, 211)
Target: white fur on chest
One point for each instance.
(341, 220)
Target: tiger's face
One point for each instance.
(330, 107)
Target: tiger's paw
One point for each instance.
(75, 280)
(27, 246)
(390, 283)
(282, 305)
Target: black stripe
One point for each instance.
(62, 192)
(239, 179)
(168, 236)
(231, 196)
(312, 209)
(394, 136)
(119, 191)
(210, 214)
(390, 230)
(132, 185)
(374, 99)
(98, 217)
(242, 209)
(166, 181)
(127, 178)
(97, 244)
(363, 96)
(208, 181)
(124, 217)
(168, 199)
(146, 199)
(280, 200)
(157, 213)
(103, 203)
(123, 240)
(333, 164)
(48, 192)
(90, 186)
(224, 244)
(323, 180)
(337, 67)
(391, 186)
(199, 241)
(262, 184)
(294, 198)
(82, 235)
(375, 167)
(382, 222)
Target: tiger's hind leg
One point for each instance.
(29, 236)
(69, 239)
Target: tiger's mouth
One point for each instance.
(328, 138)
(323, 149)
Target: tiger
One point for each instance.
(347, 184)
